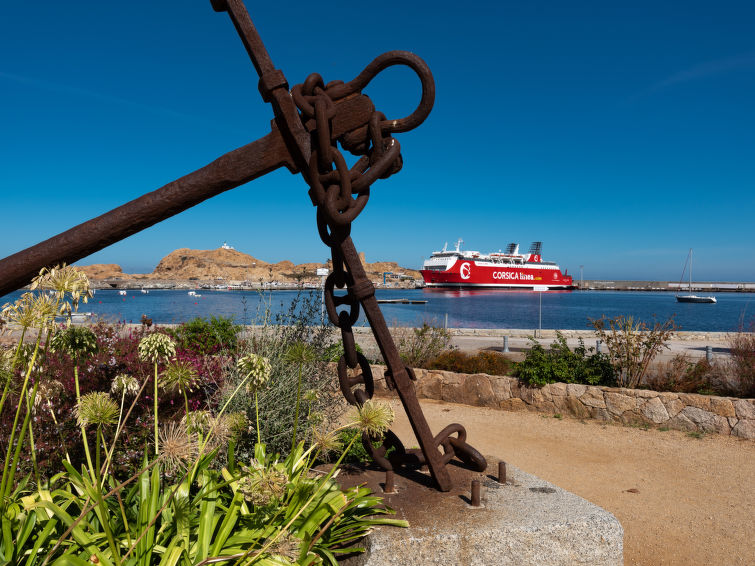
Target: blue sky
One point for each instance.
(618, 133)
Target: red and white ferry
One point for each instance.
(509, 269)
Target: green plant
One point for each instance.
(156, 348)
(696, 434)
(417, 346)
(306, 381)
(632, 345)
(334, 352)
(491, 363)
(207, 336)
(560, 364)
(742, 349)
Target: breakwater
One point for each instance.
(674, 286)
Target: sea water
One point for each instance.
(457, 308)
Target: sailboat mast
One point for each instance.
(690, 270)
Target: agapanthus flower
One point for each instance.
(256, 369)
(299, 353)
(47, 391)
(325, 441)
(263, 485)
(373, 418)
(287, 546)
(76, 341)
(124, 384)
(30, 310)
(96, 409)
(179, 376)
(64, 280)
(156, 347)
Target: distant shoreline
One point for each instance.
(587, 285)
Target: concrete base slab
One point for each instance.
(526, 521)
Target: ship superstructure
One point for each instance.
(509, 268)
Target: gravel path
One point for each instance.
(695, 497)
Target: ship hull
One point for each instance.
(472, 274)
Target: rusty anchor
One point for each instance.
(310, 121)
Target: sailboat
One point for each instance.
(692, 298)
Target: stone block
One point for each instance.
(571, 406)
(557, 389)
(430, 386)
(527, 522)
(593, 397)
(745, 428)
(673, 407)
(722, 406)
(617, 403)
(694, 400)
(601, 414)
(681, 422)
(646, 393)
(634, 418)
(513, 404)
(703, 420)
(575, 389)
(744, 408)
(543, 407)
(655, 411)
(501, 387)
(476, 390)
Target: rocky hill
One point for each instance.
(231, 265)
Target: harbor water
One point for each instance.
(567, 310)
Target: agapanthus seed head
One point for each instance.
(47, 392)
(156, 347)
(124, 384)
(373, 418)
(64, 280)
(326, 441)
(76, 341)
(198, 422)
(299, 353)
(178, 447)
(287, 546)
(96, 409)
(179, 377)
(30, 310)
(236, 423)
(262, 485)
(256, 369)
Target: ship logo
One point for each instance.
(464, 270)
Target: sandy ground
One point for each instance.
(695, 497)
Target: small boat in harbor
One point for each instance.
(692, 298)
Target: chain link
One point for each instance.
(340, 194)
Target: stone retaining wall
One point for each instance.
(547, 333)
(682, 411)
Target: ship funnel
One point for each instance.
(511, 249)
(536, 248)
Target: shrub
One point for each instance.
(742, 347)
(417, 346)
(203, 336)
(560, 364)
(274, 340)
(491, 363)
(632, 345)
(681, 374)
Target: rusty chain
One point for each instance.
(340, 194)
